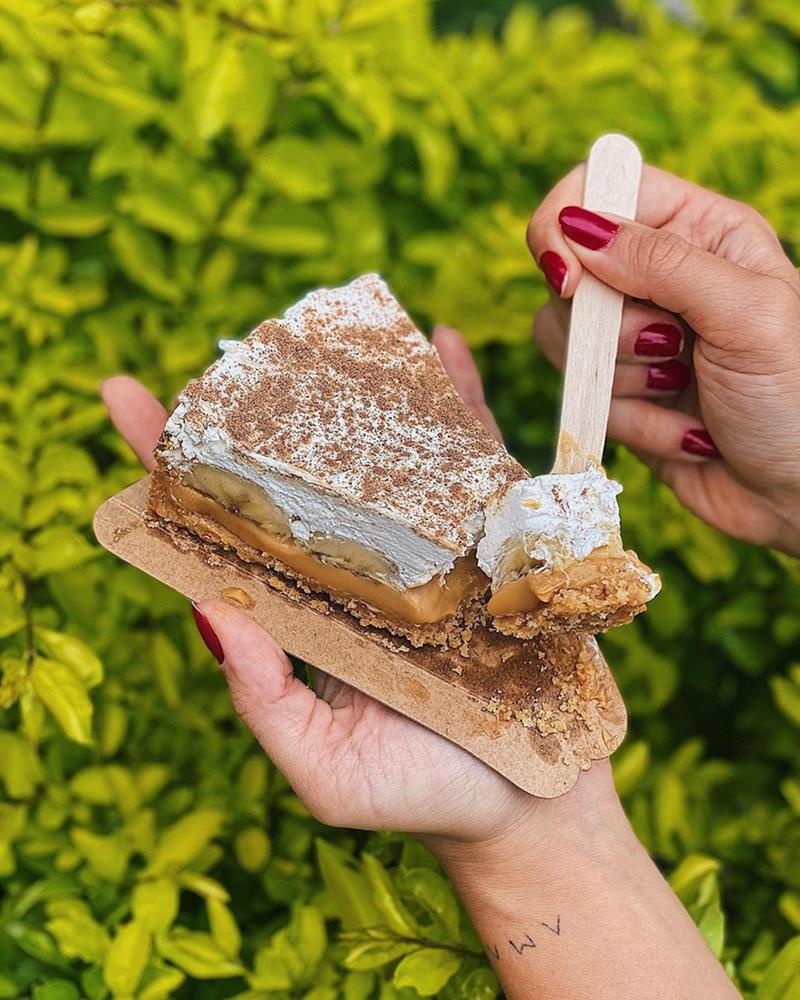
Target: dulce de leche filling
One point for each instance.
(537, 587)
(526, 593)
(428, 603)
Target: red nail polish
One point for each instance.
(698, 442)
(669, 376)
(208, 635)
(554, 269)
(590, 230)
(659, 340)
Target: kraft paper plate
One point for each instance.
(537, 711)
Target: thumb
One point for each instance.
(284, 715)
(711, 293)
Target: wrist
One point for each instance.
(588, 821)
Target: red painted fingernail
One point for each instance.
(670, 376)
(208, 635)
(698, 442)
(590, 230)
(555, 270)
(659, 340)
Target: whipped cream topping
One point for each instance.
(343, 415)
(547, 522)
(313, 512)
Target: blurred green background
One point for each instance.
(171, 173)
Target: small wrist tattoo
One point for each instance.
(520, 943)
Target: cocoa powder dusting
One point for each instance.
(345, 390)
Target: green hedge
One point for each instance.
(171, 173)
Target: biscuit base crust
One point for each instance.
(598, 593)
(449, 633)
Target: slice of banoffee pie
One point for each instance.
(331, 447)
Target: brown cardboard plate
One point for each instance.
(536, 711)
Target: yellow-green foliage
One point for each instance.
(170, 173)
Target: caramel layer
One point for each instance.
(422, 605)
(537, 587)
(514, 597)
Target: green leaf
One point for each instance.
(387, 898)
(56, 989)
(427, 970)
(12, 614)
(156, 903)
(630, 764)
(349, 891)
(91, 784)
(253, 778)
(94, 16)
(789, 906)
(292, 166)
(376, 954)
(480, 984)
(160, 983)
(106, 855)
(113, 729)
(167, 665)
(141, 257)
(20, 768)
(76, 654)
(358, 986)
(670, 813)
(76, 931)
(74, 220)
(252, 848)
(204, 886)
(224, 88)
(787, 698)
(286, 230)
(127, 958)
(196, 954)
(307, 935)
(782, 976)
(224, 929)
(38, 944)
(57, 549)
(167, 208)
(696, 884)
(64, 694)
(433, 894)
(274, 964)
(184, 840)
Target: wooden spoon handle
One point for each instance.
(613, 171)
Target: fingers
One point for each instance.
(702, 217)
(648, 358)
(646, 334)
(136, 413)
(662, 196)
(460, 366)
(714, 296)
(656, 432)
(550, 248)
(285, 716)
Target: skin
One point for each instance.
(564, 897)
(715, 268)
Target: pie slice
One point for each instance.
(553, 551)
(331, 447)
